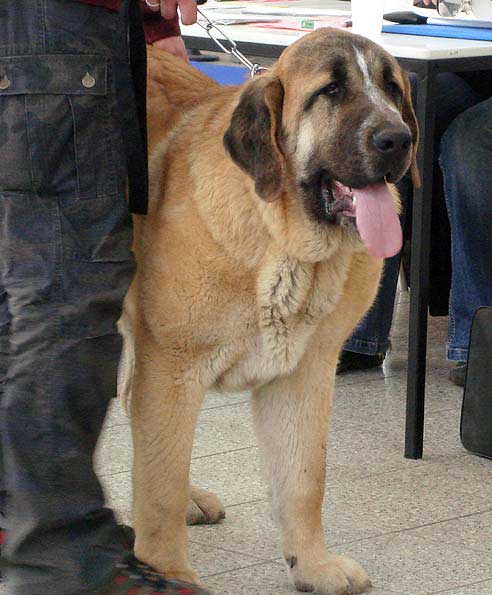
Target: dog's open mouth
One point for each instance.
(373, 210)
(337, 198)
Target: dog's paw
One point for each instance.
(334, 575)
(204, 508)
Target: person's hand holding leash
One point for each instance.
(169, 9)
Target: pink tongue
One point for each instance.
(377, 221)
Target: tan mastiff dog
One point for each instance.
(270, 215)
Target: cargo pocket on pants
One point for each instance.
(41, 99)
(62, 140)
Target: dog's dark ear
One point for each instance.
(410, 120)
(252, 138)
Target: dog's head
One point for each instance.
(331, 124)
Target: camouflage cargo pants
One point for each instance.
(65, 266)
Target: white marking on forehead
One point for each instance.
(373, 91)
(361, 61)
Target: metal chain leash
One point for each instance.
(230, 46)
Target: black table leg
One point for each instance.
(419, 271)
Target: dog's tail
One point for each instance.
(173, 88)
(127, 362)
(179, 83)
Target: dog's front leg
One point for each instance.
(164, 409)
(291, 419)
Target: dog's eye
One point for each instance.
(393, 89)
(332, 89)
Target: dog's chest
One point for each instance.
(292, 300)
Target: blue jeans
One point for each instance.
(65, 266)
(466, 160)
(371, 336)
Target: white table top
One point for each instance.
(400, 46)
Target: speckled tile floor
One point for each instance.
(418, 527)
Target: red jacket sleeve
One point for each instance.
(154, 25)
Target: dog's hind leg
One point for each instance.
(291, 420)
(164, 410)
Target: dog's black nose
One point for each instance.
(392, 142)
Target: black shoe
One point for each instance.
(127, 535)
(136, 578)
(457, 374)
(133, 577)
(350, 361)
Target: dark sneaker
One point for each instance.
(133, 577)
(127, 534)
(457, 374)
(350, 361)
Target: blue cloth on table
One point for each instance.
(441, 31)
(225, 75)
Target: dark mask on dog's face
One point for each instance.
(335, 115)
